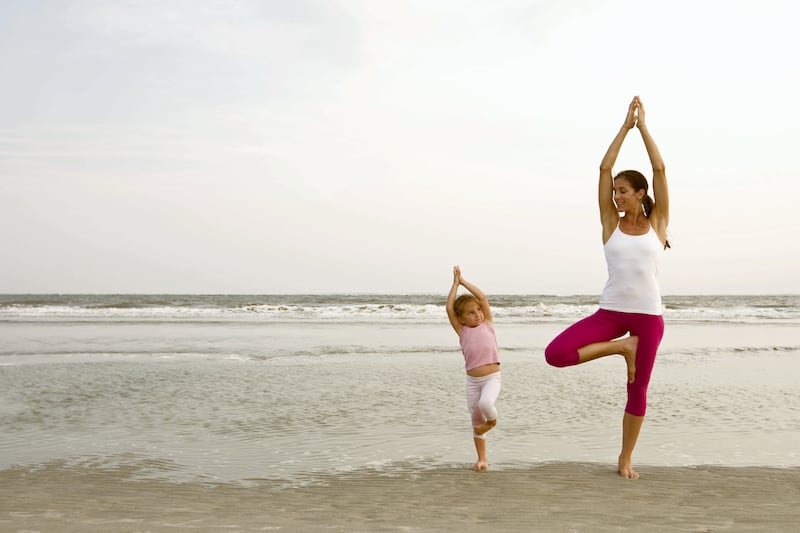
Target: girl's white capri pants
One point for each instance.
(482, 393)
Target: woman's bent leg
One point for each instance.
(587, 339)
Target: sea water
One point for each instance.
(243, 388)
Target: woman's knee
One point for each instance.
(558, 356)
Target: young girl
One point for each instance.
(471, 317)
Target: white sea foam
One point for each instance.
(374, 313)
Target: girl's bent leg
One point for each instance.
(489, 391)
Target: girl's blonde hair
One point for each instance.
(461, 301)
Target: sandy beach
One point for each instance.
(551, 497)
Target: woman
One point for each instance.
(631, 300)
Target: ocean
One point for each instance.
(297, 392)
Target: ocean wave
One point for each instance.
(706, 351)
(370, 308)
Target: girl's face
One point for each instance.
(471, 315)
(625, 197)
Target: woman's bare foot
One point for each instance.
(629, 352)
(626, 470)
(480, 466)
(486, 426)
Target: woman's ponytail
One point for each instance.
(647, 205)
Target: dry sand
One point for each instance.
(549, 497)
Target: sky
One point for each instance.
(367, 146)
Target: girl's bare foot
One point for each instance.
(486, 426)
(480, 466)
(626, 470)
(629, 352)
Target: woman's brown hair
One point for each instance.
(639, 182)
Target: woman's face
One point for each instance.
(625, 197)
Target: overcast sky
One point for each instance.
(369, 145)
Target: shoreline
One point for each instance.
(545, 497)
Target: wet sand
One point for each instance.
(571, 497)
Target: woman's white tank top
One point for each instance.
(633, 262)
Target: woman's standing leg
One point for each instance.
(649, 329)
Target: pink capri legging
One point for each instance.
(607, 325)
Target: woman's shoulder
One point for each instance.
(610, 225)
(659, 227)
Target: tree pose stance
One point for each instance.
(471, 318)
(629, 320)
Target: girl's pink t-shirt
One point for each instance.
(479, 345)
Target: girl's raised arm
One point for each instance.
(482, 299)
(451, 299)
